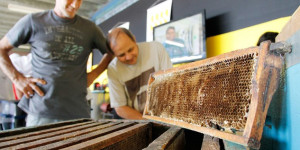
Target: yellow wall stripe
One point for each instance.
(242, 38)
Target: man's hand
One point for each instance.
(27, 85)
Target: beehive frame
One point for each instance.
(175, 97)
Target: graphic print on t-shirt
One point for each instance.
(133, 87)
(66, 42)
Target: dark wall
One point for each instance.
(221, 15)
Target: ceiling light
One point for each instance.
(23, 9)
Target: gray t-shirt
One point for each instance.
(60, 49)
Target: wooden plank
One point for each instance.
(264, 86)
(204, 130)
(34, 136)
(210, 143)
(34, 133)
(233, 146)
(59, 136)
(173, 138)
(116, 137)
(178, 143)
(18, 131)
(207, 61)
(291, 27)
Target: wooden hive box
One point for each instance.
(226, 96)
(102, 134)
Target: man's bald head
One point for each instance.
(114, 34)
(123, 45)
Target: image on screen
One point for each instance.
(183, 39)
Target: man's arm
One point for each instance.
(99, 69)
(128, 113)
(26, 85)
(118, 99)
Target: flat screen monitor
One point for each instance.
(184, 39)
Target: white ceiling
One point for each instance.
(8, 18)
(88, 8)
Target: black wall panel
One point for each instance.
(221, 15)
(136, 14)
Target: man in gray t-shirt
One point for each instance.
(61, 42)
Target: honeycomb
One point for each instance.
(216, 94)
